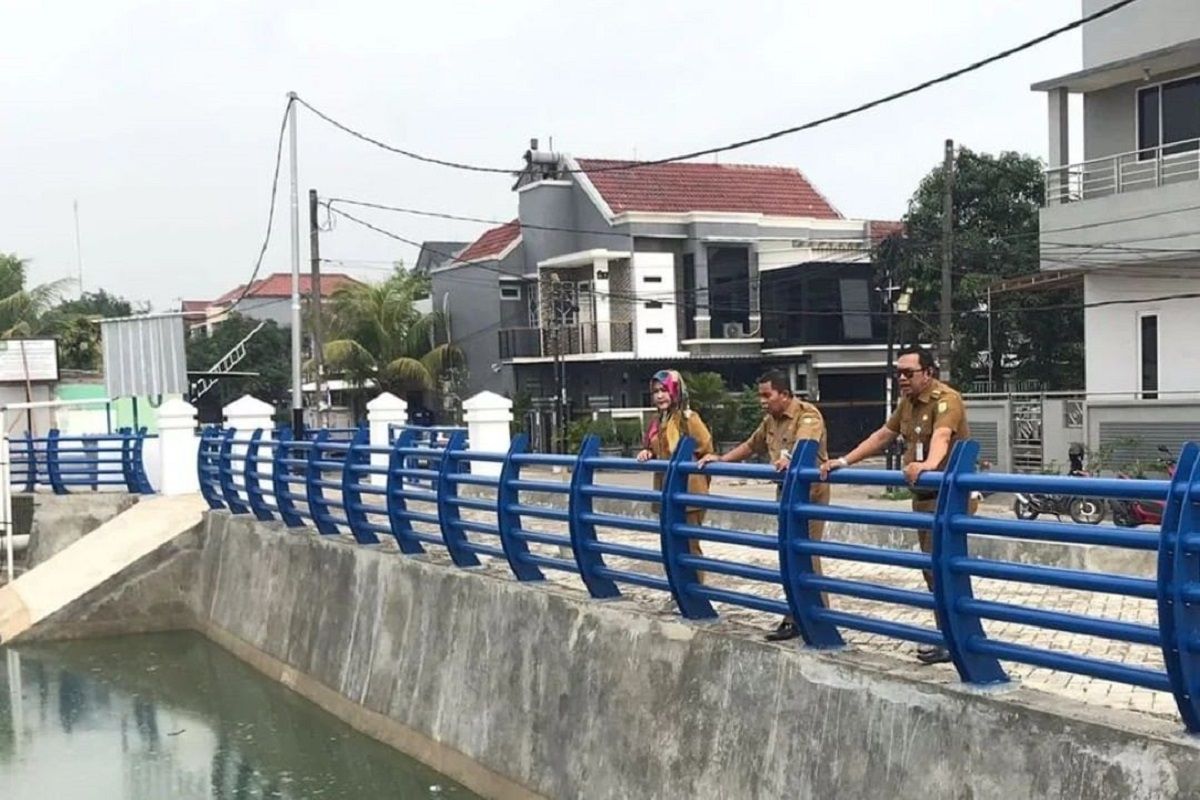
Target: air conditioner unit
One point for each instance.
(733, 330)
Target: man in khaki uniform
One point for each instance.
(931, 416)
(788, 420)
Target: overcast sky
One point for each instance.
(161, 118)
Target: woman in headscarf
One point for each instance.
(669, 395)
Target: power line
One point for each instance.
(463, 218)
(262, 252)
(858, 109)
(804, 312)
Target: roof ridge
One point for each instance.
(724, 165)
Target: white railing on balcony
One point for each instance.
(1176, 162)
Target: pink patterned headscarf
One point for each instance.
(676, 389)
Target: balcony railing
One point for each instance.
(593, 337)
(1176, 162)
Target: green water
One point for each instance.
(169, 716)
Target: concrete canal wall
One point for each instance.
(522, 690)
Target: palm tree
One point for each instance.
(378, 335)
(23, 311)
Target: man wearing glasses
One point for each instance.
(930, 417)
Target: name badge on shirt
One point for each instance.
(920, 446)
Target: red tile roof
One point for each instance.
(492, 243)
(193, 308)
(683, 187)
(279, 284)
(883, 228)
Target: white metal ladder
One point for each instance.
(226, 364)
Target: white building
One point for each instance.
(1127, 216)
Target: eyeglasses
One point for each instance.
(907, 373)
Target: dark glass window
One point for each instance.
(1149, 340)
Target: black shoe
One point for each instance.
(932, 654)
(786, 630)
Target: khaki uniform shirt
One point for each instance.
(674, 428)
(939, 406)
(776, 437)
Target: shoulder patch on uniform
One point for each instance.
(808, 420)
(942, 406)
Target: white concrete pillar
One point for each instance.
(1058, 185)
(248, 414)
(384, 412)
(489, 419)
(179, 446)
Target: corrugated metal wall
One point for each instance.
(144, 356)
(989, 441)
(1139, 441)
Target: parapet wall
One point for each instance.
(519, 689)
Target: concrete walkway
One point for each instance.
(1104, 693)
(71, 573)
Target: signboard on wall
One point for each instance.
(32, 360)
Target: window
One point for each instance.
(653, 304)
(509, 291)
(654, 330)
(1168, 113)
(652, 279)
(1148, 344)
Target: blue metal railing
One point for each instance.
(89, 462)
(413, 492)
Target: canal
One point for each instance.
(174, 716)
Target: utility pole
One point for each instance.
(315, 302)
(297, 385)
(947, 258)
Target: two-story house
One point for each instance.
(1126, 218)
(616, 269)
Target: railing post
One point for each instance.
(1178, 571)
(280, 472)
(52, 464)
(448, 513)
(401, 526)
(140, 478)
(796, 566)
(515, 549)
(91, 454)
(583, 534)
(950, 588)
(225, 471)
(32, 464)
(126, 459)
(126, 445)
(206, 463)
(254, 491)
(317, 505)
(356, 456)
(680, 577)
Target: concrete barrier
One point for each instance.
(522, 690)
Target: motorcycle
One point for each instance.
(1132, 513)
(1083, 510)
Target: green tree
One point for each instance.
(74, 324)
(23, 310)
(996, 203)
(265, 354)
(377, 334)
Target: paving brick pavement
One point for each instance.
(1076, 687)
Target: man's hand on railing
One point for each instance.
(644, 455)
(913, 471)
(781, 464)
(830, 465)
(708, 459)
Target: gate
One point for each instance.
(1027, 439)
